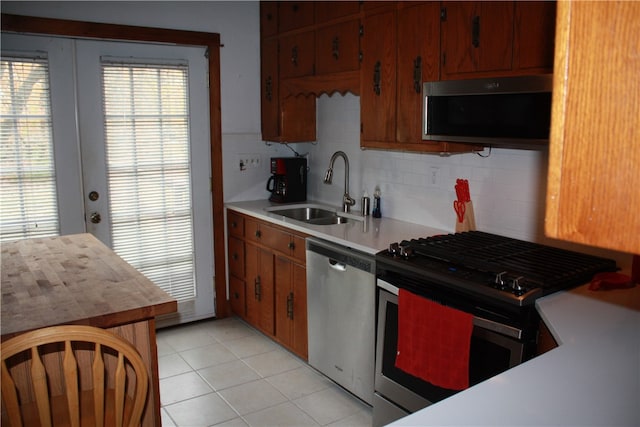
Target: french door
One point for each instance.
(131, 159)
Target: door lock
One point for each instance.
(93, 196)
(95, 217)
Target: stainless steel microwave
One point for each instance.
(509, 112)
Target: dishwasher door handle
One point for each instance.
(337, 265)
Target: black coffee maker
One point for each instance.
(288, 182)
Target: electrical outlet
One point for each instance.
(434, 178)
(249, 161)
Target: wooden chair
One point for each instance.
(56, 377)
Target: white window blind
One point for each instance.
(28, 200)
(148, 169)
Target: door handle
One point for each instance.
(95, 217)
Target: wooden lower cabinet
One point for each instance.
(291, 305)
(260, 291)
(267, 281)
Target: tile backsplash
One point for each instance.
(508, 187)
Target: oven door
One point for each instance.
(492, 352)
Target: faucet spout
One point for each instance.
(347, 201)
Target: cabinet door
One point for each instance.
(237, 296)
(259, 288)
(236, 257)
(534, 36)
(235, 224)
(476, 37)
(418, 61)
(268, 18)
(290, 119)
(269, 90)
(296, 57)
(594, 179)
(291, 305)
(378, 78)
(338, 48)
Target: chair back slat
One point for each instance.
(98, 385)
(25, 379)
(10, 397)
(40, 387)
(119, 390)
(71, 384)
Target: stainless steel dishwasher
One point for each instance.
(341, 315)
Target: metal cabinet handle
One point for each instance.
(291, 245)
(257, 289)
(417, 74)
(335, 45)
(258, 234)
(294, 56)
(376, 77)
(290, 305)
(268, 88)
(234, 256)
(475, 31)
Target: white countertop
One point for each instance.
(366, 234)
(592, 378)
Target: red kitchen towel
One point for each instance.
(433, 341)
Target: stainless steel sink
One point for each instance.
(310, 214)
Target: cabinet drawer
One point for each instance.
(237, 296)
(236, 257)
(235, 224)
(298, 251)
(276, 239)
(338, 48)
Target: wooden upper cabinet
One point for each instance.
(295, 14)
(593, 190)
(534, 36)
(338, 48)
(378, 79)
(400, 51)
(329, 10)
(476, 37)
(268, 18)
(417, 62)
(269, 90)
(297, 55)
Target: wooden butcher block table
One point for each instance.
(76, 279)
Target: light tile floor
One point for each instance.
(225, 373)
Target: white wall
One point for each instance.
(507, 188)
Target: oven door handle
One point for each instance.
(497, 327)
(479, 322)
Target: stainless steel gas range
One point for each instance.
(493, 278)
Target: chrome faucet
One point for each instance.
(347, 201)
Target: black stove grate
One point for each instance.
(548, 267)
